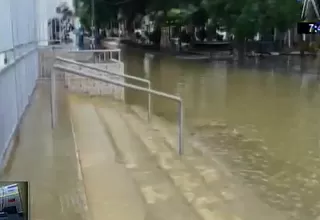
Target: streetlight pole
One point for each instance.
(92, 21)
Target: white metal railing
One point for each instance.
(126, 85)
(47, 55)
(8, 56)
(115, 74)
(102, 54)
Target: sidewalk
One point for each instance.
(48, 161)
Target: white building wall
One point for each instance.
(18, 65)
(5, 26)
(23, 23)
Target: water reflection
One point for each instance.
(270, 110)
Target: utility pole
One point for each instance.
(92, 22)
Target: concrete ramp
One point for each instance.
(48, 160)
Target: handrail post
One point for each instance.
(180, 128)
(53, 98)
(149, 102)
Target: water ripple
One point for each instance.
(285, 185)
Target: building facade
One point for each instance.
(23, 27)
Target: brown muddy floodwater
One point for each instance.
(273, 107)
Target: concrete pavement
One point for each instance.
(48, 161)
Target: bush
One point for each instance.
(185, 37)
(155, 36)
(313, 47)
(303, 46)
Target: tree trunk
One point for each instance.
(179, 41)
(301, 45)
(239, 48)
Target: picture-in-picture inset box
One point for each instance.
(14, 200)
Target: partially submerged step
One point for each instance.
(208, 203)
(232, 196)
(162, 197)
(110, 191)
(193, 186)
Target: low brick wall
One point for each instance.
(94, 87)
(47, 58)
(115, 67)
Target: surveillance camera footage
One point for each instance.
(14, 200)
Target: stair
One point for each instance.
(110, 192)
(192, 186)
(200, 164)
(161, 197)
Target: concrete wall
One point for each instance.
(115, 67)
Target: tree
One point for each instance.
(64, 10)
(200, 17)
(108, 10)
(60, 25)
(245, 18)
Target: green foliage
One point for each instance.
(247, 17)
(64, 10)
(199, 17)
(242, 18)
(105, 11)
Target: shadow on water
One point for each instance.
(270, 109)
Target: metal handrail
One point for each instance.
(117, 83)
(17, 46)
(11, 64)
(115, 74)
(99, 51)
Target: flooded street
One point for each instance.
(261, 120)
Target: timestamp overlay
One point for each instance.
(14, 202)
(308, 27)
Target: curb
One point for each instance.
(83, 194)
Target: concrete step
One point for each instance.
(205, 202)
(163, 199)
(209, 203)
(111, 193)
(232, 196)
(192, 186)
